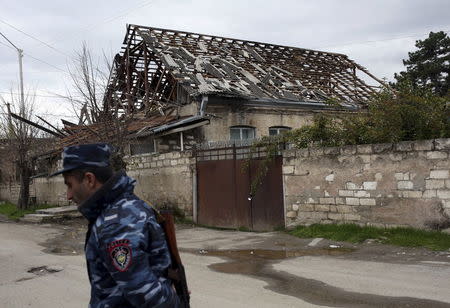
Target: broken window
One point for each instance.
(276, 130)
(242, 133)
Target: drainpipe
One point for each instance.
(203, 105)
(181, 141)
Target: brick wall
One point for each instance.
(407, 183)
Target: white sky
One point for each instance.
(377, 34)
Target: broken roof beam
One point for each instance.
(15, 116)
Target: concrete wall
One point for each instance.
(164, 179)
(382, 184)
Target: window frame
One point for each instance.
(241, 128)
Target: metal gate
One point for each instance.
(224, 179)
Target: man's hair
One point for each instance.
(102, 174)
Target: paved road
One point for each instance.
(233, 269)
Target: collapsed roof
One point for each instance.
(157, 68)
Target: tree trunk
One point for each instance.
(24, 193)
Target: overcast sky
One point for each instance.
(377, 34)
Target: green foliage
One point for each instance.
(13, 212)
(407, 237)
(429, 66)
(409, 114)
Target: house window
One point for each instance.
(242, 133)
(276, 130)
(142, 148)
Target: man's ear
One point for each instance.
(91, 179)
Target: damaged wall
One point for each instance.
(382, 184)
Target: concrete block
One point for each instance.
(430, 193)
(362, 194)
(382, 147)
(423, 145)
(364, 149)
(333, 209)
(346, 193)
(340, 200)
(404, 146)
(306, 208)
(352, 186)
(434, 184)
(443, 194)
(439, 174)
(352, 217)
(288, 169)
(442, 144)
(437, 155)
(370, 185)
(413, 194)
(291, 214)
(331, 151)
(327, 201)
(345, 209)
(330, 178)
(352, 201)
(335, 216)
(322, 208)
(311, 201)
(404, 185)
(367, 202)
(348, 150)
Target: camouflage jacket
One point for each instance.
(126, 251)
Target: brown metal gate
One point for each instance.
(224, 180)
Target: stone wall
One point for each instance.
(406, 184)
(9, 192)
(164, 179)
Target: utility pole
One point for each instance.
(20, 53)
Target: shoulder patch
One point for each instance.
(121, 254)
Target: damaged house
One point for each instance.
(174, 91)
(224, 89)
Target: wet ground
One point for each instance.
(257, 255)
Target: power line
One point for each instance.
(139, 6)
(34, 38)
(375, 41)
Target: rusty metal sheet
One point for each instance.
(216, 197)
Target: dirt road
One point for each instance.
(43, 266)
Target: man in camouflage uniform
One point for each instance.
(126, 251)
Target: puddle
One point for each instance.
(257, 263)
(41, 271)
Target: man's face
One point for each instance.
(77, 191)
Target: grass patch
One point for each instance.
(407, 237)
(12, 212)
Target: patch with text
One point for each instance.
(120, 253)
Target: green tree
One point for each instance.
(429, 66)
